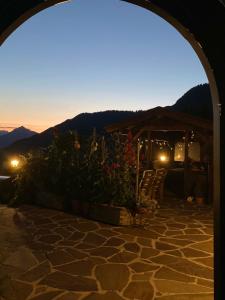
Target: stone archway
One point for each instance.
(203, 25)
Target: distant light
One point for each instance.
(15, 163)
(163, 158)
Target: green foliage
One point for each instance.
(93, 170)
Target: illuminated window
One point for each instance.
(194, 151)
(179, 151)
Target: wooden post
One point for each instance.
(137, 170)
(149, 153)
(186, 162)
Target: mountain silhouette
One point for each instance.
(82, 123)
(197, 101)
(3, 132)
(15, 135)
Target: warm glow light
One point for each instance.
(14, 163)
(163, 158)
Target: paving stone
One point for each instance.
(142, 277)
(207, 261)
(106, 232)
(164, 246)
(112, 276)
(40, 289)
(190, 252)
(77, 235)
(178, 242)
(147, 252)
(47, 296)
(123, 257)
(194, 237)
(38, 246)
(166, 273)
(48, 226)
(175, 253)
(82, 268)
(194, 225)
(106, 296)
(98, 260)
(144, 242)
(208, 230)
(184, 266)
(164, 259)
(76, 253)
(15, 290)
(86, 226)
(173, 232)
(127, 237)
(67, 243)
(192, 231)
(10, 272)
(170, 286)
(158, 229)
(85, 246)
(140, 267)
(63, 232)
(50, 238)
(176, 226)
(69, 227)
(114, 241)
(94, 239)
(204, 282)
(70, 296)
(43, 231)
(39, 255)
(188, 297)
(132, 247)
(204, 246)
(68, 282)
(139, 232)
(104, 251)
(36, 273)
(22, 259)
(141, 290)
(59, 257)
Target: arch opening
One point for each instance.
(189, 36)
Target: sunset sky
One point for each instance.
(92, 55)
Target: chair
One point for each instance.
(157, 192)
(145, 186)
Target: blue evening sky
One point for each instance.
(92, 55)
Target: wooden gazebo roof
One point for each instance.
(162, 119)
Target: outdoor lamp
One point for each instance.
(14, 163)
(163, 158)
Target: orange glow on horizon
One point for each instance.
(36, 128)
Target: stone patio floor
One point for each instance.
(47, 254)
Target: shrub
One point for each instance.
(95, 170)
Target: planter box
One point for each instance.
(114, 215)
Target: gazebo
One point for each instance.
(170, 139)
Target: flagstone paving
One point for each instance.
(47, 254)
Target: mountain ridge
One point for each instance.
(15, 135)
(196, 101)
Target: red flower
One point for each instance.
(115, 166)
